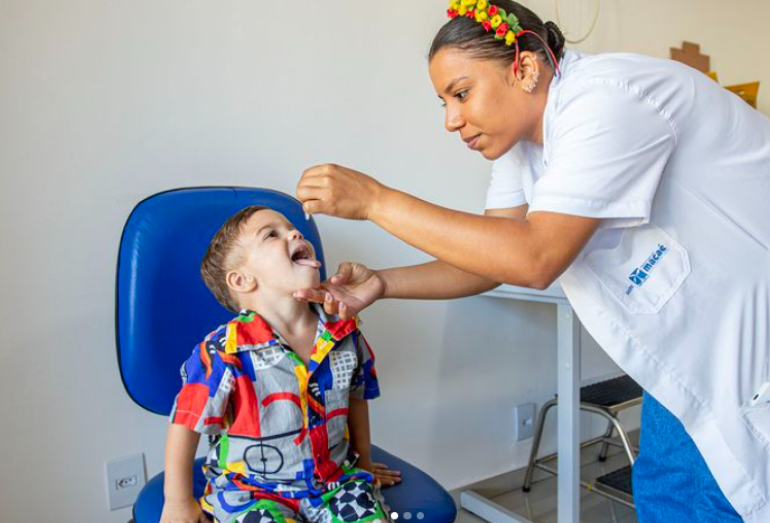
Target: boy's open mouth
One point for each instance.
(302, 255)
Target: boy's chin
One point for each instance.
(312, 281)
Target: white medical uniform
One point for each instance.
(675, 285)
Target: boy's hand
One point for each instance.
(385, 476)
(347, 293)
(184, 511)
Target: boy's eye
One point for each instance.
(271, 234)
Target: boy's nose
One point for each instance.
(295, 235)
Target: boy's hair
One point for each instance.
(219, 259)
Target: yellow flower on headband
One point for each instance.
(496, 21)
(454, 5)
(463, 10)
(468, 3)
(482, 5)
(510, 38)
(481, 15)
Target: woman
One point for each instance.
(645, 188)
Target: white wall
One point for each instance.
(733, 34)
(104, 103)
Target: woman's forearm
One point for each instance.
(495, 248)
(531, 252)
(433, 281)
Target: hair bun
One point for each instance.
(555, 39)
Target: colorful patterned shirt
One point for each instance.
(281, 425)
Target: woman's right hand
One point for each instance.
(347, 293)
(183, 511)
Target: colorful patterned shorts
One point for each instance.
(353, 502)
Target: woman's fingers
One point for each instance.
(344, 311)
(314, 200)
(344, 272)
(337, 191)
(331, 306)
(319, 170)
(313, 207)
(311, 191)
(314, 295)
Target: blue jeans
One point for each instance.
(672, 483)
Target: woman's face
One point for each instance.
(484, 102)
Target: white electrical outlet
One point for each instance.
(125, 479)
(525, 421)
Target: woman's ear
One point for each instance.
(528, 73)
(241, 283)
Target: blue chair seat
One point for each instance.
(417, 494)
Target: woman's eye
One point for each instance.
(462, 94)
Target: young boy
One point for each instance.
(282, 387)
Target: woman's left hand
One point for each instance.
(338, 191)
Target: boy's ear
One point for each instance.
(240, 282)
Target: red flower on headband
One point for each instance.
(451, 13)
(492, 11)
(487, 25)
(501, 30)
(470, 13)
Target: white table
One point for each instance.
(568, 359)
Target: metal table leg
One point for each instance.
(568, 415)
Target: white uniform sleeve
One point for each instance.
(506, 189)
(609, 147)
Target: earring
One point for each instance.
(532, 83)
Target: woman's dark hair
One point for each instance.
(468, 35)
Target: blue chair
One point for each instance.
(163, 309)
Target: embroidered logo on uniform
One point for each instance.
(640, 275)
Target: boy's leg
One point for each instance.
(355, 501)
(671, 479)
(268, 511)
(240, 507)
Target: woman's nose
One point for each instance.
(454, 121)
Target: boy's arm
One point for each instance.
(360, 440)
(180, 506)
(360, 436)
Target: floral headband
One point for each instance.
(505, 25)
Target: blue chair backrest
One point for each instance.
(163, 308)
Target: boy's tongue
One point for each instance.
(309, 263)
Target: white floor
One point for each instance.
(539, 505)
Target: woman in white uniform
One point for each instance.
(645, 188)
